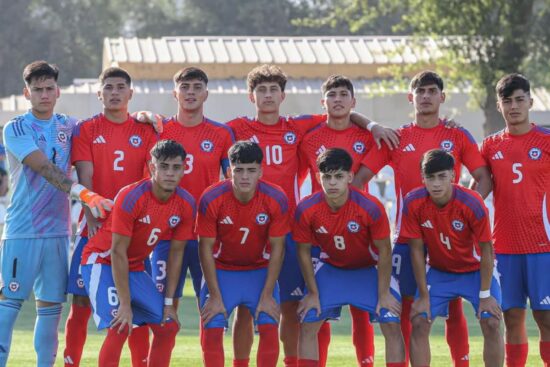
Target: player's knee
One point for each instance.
(391, 330)
(514, 320)
(309, 330)
(168, 330)
(243, 316)
(420, 326)
(490, 326)
(542, 318)
(81, 301)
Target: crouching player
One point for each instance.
(352, 229)
(239, 219)
(121, 293)
(453, 223)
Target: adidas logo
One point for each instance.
(427, 224)
(545, 301)
(368, 360)
(320, 150)
(68, 360)
(297, 292)
(465, 358)
(255, 139)
(100, 140)
(409, 148)
(321, 230)
(146, 219)
(498, 155)
(226, 220)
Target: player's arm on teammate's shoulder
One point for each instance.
(120, 268)
(418, 261)
(267, 303)
(173, 270)
(487, 303)
(85, 172)
(482, 181)
(153, 119)
(385, 298)
(379, 132)
(214, 304)
(311, 299)
(362, 177)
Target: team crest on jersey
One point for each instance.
(290, 138)
(80, 283)
(114, 312)
(458, 225)
(535, 153)
(13, 286)
(359, 147)
(174, 220)
(135, 141)
(447, 145)
(353, 226)
(160, 287)
(62, 137)
(262, 218)
(207, 146)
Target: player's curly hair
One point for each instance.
(166, 149)
(334, 159)
(335, 81)
(436, 160)
(508, 84)
(40, 70)
(266, 74)
(245, 151)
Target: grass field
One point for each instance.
(187, 351)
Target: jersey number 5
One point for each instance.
(517, 172)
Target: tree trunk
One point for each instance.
(493, 118)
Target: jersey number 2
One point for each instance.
(118, 159)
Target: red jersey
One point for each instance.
(118, 152)
(405, 159)
(521, 177)
(452, 233)
(206, 146)
(280, 144)
(346, 235)
(356, 141)
(138, 214)
(242, 230)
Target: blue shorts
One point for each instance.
(35, 264)
(240, 287)
(147, 303)
(402, 269)
(444, 287)
(523, 276)
(159, 259)
(356, 287)
(291, 281)
(75, 284)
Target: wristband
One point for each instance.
(485, 294)
(371, 125)
(168, 301)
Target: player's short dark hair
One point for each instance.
(115, 72)
(436, 160)
(3, 172)
(266, 74)
(334, 159)
(335, 81)
(166, 149)
(426, 78)
(245, 152)
(40, 70)
(190, 73)
(508, 84)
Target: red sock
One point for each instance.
(398, 364)
(109, 355)
(268, 348)
(406, 326)
(362, 334)
(76, 329)
(544, 348)
(138, 342)
(291, 361)
(456, 332)
(308, 363)
(323, 338)
(241, 362)
(164, 339)
(212, 347)
(516, 355)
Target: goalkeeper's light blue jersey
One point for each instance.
(37, 209)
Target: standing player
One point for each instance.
(453, 224)
(206, 143)
(352, 229)
(242, 223)
(110, 151)
(122, 294)
(519, 158)
(279, 138)
(425, 133)
(338, 101)
(35, 241)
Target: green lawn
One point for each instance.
(187, 350)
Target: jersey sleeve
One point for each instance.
(184, 229)
(410, 226)
(484, 150)
(280, 224)
(207, 219)
(81, 149)
(123, 216)
(481, 226)
(471, 157)
(308, 122)
(376, 158)
(380, 226)
(301, 228)
(18, 140)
